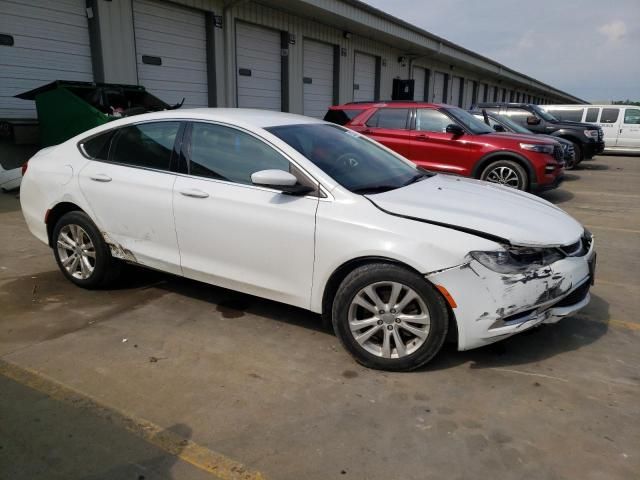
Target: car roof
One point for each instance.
(246, 116)
(501, 104)
(387, 103)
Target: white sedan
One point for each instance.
(308, 213)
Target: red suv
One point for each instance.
(449, 139)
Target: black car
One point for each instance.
(501, 123)
(587, 139)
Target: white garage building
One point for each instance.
(299, 56)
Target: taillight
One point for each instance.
(24, 167)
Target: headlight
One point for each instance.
(517, 260)
(591, 133)
(534, 147)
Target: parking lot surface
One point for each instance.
(173, 379)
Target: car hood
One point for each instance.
(482, 208)
(521, 137)
(566, 123)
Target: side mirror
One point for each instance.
(533, 120)
(455, 130)
(499, 128)
(280, 180)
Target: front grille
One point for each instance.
(600, 134)
(576, 296)
(557, 154)
(573, 250)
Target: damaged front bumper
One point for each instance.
(491, 306)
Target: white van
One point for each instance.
(620, 123)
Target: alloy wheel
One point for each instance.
(76, 251)
(389, 319)
(504, 176)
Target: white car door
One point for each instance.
(629, 134)
(129, 188)
(234, 234)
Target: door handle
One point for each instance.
(422, 136)
(100, 177)
(366, 131)
(194, 193)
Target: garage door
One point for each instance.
(419, 77)
(259, 67)
(456, 87)
(438, 87)
(171, 52)
(317, 78)
(364, 77)
(50, 42)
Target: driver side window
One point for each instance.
(430, 120)
(229, 154)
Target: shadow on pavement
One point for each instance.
(556, 196)
(43, 437)
(534, 345)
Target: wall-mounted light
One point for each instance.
(343, 52)
(383, 62)
(292, 39)
(402, 60)
(347, 35)
(217, 21)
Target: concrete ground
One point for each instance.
(172, 379)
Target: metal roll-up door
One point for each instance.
(317, 79)
(420, 78)
(42, 41)
(259, 67)
(456, 88)
(364, 77)
(171, 52)
(439, 87)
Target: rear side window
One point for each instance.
(609, 115)
(225, 153)
(592, 115)
(632, 116)
(393, 118)
(98, 146)
(341, 117)
(147, 145)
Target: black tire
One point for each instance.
(492, 170)
(370, 274)
(106, 269)
(579, 155)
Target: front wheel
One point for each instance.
(507, 173)
(81, 253)
(389, 318)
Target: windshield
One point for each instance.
(511, 124)
(543, 114)
(352, 160)
(477, 127)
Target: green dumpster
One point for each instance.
(67, 108)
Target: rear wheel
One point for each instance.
(81, 253)
(389, 318)
(506, 172)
